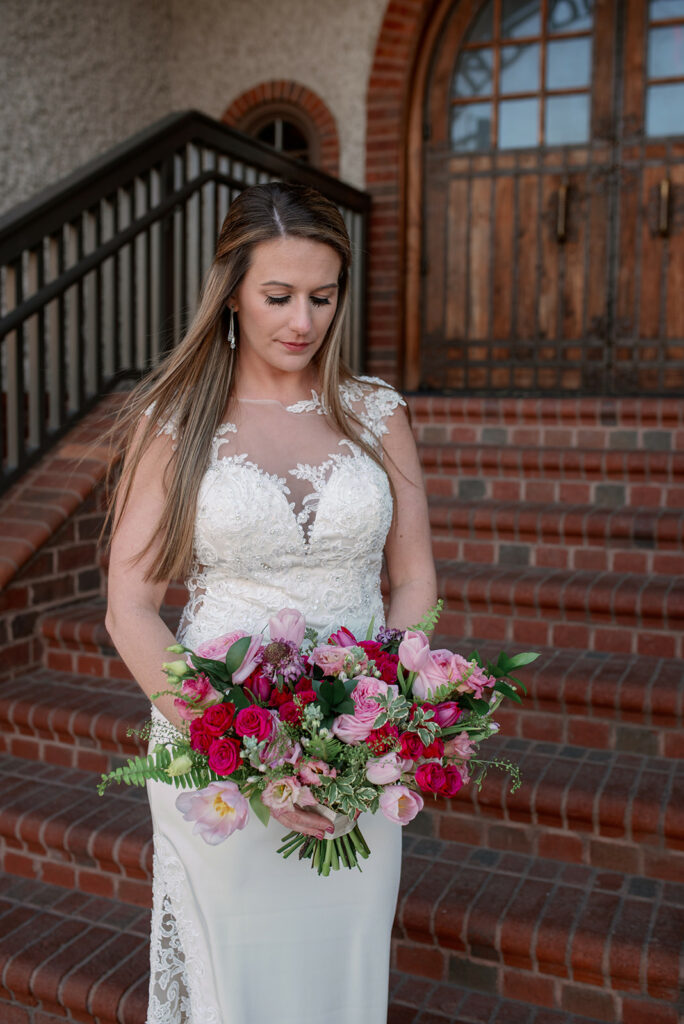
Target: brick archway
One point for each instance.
(302, 101)
(398, 46)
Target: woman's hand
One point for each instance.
(307, 822)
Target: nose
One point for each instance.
(300, 319)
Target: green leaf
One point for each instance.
(235, 655)
(507, 691)
(238, 697)
(262, 812)
(371, 626)
(481, 707)
(525, 658)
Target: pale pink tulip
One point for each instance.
(289, 625)
(400, 804)
(414, 650)
(218, 810)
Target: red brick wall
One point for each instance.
(307, 102)
(387, 107)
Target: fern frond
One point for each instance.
(429, 621)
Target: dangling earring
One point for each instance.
(231, 330)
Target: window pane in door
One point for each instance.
(666, 51)
(471, 127)
(520, 18)
(473, 73)
(519, 68)
(570, 15)
(566, 120)
(568, 63)
(665, 109)
(659, 10)
(518, 124)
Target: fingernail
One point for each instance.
(331, 828)
(320, 835)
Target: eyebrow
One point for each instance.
(283, 284)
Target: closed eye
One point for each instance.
(282, 300)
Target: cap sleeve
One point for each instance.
(170, 426)
(374, 402)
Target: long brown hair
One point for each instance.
(193, 386)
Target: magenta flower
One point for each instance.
(289, 625)
(218, 811)
(400, 804)
(343, 638)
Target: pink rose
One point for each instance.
(289, 625)
(224, 756)
(414, 650)
(283, 794)
(218, 810)
(400, 804)
(460, 746)
(383, 770)
(218, 648)
(311, 772)
(254, 721)
(358, 727)
(470, 677)
(197, 689)
(435, 673)
(218, 718)
(431, 777)
(250, 661)
(328, 658)
(350, 729)
(343, 638)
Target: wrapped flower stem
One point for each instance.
(327, 855)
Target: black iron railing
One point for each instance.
(100, 274)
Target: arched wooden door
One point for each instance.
(553, 199)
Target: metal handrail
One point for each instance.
(99, 273)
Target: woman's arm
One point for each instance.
(408, 549)
(133, 621)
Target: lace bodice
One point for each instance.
(290, 514)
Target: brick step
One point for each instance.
(609, 479)
(56, 829)
(565, 936)
(624, 702)
(70, 955)
(76, 641)
(72, 721)
(600, 413)
(595, 807)
(415, 1000)
(644, 540)
(543, 435)
(620, 612)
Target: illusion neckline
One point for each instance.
(314, 402)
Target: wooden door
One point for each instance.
(538, 200)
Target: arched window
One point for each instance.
(523, 76)
(286, 131)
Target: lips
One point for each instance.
(295, 346)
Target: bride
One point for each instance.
(263, 473)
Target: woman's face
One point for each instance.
(285, 304)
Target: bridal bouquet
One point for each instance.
(338, 727)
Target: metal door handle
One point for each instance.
(664, 207)
(562, 213)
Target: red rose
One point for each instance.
(411, 746)
(280, 697)
(435, 749)
(254, 721)
(200, 739)
(304, 685)
(452, 782)
(224, 756)
(290, 712)
(306, 697)
(431, 777)
(387, 666)
(218, 718)
(371, 647)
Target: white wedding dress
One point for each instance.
(289, 515)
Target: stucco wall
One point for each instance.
(78, 76)
(229, 46)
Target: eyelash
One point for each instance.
(281, 300)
